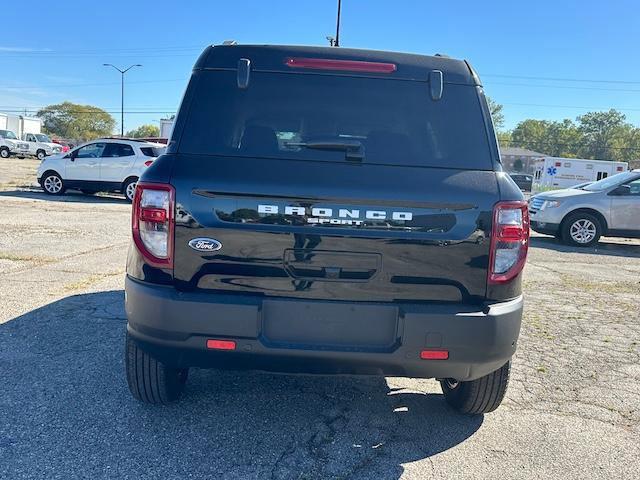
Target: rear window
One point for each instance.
(395, 121)
(152, 151)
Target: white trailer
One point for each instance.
(166, 127)
(20, 124)
(553, 173)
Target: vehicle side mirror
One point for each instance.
(621, 190)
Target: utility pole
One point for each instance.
(336, 42)
(122, 72)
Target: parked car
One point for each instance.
(580, 216)
(523, 181)
(316, 212)
(40, 145)
(10, 145)
(65, 146)
(112, 165)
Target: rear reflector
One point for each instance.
(158, 215)
(221, 344)
(344, 65)
(434, 354)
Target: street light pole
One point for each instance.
(336, 42)
(122, 72)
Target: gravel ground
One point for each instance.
(572, 409)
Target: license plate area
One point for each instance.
(329, 326)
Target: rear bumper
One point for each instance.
(174, 327)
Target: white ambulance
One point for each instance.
(553, 173)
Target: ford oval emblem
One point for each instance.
(205, 244)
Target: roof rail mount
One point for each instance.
(229, 42)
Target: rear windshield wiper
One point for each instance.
(353, 149)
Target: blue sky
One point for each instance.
(543, 59)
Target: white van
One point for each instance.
(553, 173)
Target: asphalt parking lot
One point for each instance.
(572, 409)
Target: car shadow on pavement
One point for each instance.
(65, 411)
(601, 248)
(70, 196)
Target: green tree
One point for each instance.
(81, 122)
(563, 139)
(517, 165)
(144, 131)
(603, 134)
(504, 138)
(496, 113)
(531, 134)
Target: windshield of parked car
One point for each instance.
(8, 134)
(43, 138)
(610, 182)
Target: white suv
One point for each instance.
(111, 165)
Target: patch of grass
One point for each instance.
(16, 257)
(88, 281)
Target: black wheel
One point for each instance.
(53, 184)
(151, 381)
(41, 155)
(129, 188)
(483, 395)
(581, 230)
(4, 152)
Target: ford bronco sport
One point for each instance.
(328, 210)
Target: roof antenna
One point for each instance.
(336, 41)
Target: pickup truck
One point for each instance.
(40, 145)
(10, 145)
(328, 211)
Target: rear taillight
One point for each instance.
(152, 222)
(509, 241)
(148, 163)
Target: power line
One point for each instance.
(600, 109)
(102, 84)
(569, 87)
(557, 79)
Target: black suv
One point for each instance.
(523, 181)
(328, 210)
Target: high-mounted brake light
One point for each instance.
(152, 222)
(509, 241)
(343, 65)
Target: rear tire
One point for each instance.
(581, 230)
(483, 395)
(151, 381)
(129, 188)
